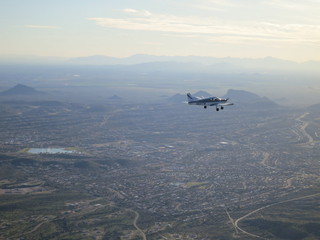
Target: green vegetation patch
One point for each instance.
(278, 229)
(293, 220)
(195, 184)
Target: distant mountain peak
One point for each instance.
(115, 97)
(241, 94)
(21, 89)
(249, 99)
(178, 98)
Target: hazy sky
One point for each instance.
(287, 29)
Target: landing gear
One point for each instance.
(222, 108)
(217, 109)
(205, 106)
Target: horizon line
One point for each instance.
(28, 56)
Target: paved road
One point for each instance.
(236, 223)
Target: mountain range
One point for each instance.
(201, 63)
(240, 96)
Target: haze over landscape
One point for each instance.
(97, 140)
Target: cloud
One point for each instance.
(168, 24)
(144, 20)
(41, 27)
(137, 12)
(129, 10)
(205, 27)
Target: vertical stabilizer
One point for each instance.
(190, 97)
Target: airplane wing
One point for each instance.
(226, 104)
(214, 104)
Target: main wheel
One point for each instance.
(217, 109)
(205, 107)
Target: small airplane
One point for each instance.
(210, 101)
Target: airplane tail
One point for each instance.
(190, 97)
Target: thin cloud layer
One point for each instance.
(208, 27)
(41, 27)
(287, 29)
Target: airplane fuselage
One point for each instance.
(210, 101)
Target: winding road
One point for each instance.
(305, 124)
(143, 235)
(236, 222)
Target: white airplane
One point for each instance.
(210, 101)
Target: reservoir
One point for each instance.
(49, 150)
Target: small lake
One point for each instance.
(49, 150)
